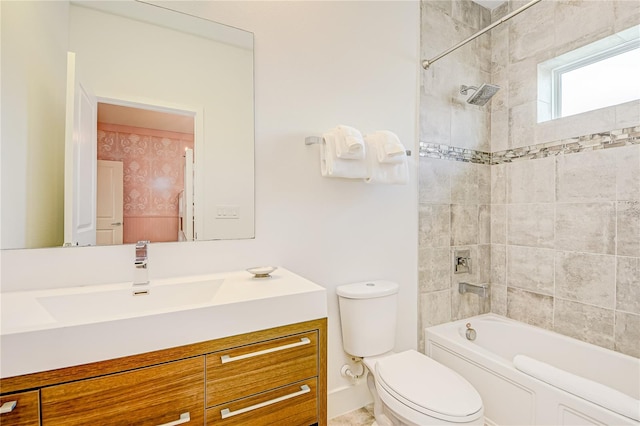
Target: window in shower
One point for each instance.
(608, 79)
(599, 75)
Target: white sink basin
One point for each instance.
(48, 329)
(138, 300)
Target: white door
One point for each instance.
(109, 221)
(80, 161)
(187, 209)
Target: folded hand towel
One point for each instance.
(388, 147)
(349, 143)
(332, 166)
(386, 159)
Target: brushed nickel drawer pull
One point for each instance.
(184, 418)
(226, 413)
(8, 407)
(226, 358)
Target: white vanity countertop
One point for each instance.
(47, 329)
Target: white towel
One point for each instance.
(386, 159)
(332, 166)
(349, 143)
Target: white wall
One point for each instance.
(317, 64)
(33, 100)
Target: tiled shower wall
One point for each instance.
(455, 197)
(561, 233)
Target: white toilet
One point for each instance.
(408, 388)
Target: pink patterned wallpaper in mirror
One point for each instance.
(153, 178)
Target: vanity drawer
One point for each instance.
(25, 411)
(148, 396)
(247, 370)
(292, 405)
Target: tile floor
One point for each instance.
(360, 417)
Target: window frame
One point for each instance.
(558, 72)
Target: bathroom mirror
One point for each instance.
(134, 55)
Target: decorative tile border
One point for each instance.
(448, 152)
(602, 140)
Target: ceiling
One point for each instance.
(148, 119)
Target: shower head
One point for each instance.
(482, 94)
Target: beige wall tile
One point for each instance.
(499, 299)
(531, 268)
(464, 183)
(531, 181)
(627, 14)
(522, 119)
(628, 228)
(628, 113)
(484, 183)
(586, 278)
(628, 173)
(498, 224)
(437, 128)
(434, 229)
(628, 284)
(434, 181)
(498, 265)
(434, 270)
(584, 322)
(523, 81)
(484, 263)
(530, 225)
(529, 32)
(586, 176)
(627, 334)
(580, 22)
(464, 224)
(532, 308)
(600, 120)
(484, 224)
(588, 227)
(500, 125)
(436, 308)
(499, 184)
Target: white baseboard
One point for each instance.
(346, 399)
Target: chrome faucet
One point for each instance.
(141, 272)
(480, 290)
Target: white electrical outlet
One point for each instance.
(227, 212)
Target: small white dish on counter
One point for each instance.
(262, 271)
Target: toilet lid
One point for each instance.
(427, 386)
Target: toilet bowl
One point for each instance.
(413, 389)
(408, 388)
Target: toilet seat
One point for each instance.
(418, 382)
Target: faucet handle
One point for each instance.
(141, 254)
(142, 244)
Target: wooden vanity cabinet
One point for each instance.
(295, 404)
(151, 396)
(269, 382)
(20, 409)
(269, 377)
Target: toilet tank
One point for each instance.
(368, 317)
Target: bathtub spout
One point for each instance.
(480, 290)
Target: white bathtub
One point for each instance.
(555, 380)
